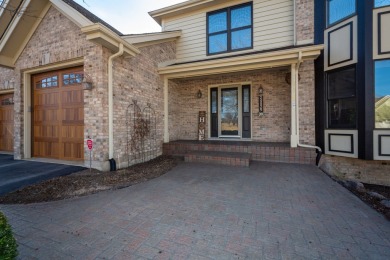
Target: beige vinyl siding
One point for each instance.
(273, 27)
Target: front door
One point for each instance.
(230, 112)
(229, 116)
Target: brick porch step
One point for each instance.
(224, 158)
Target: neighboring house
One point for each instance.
(353, 87)
(249, 67)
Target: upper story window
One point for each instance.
(339, 10)
(229, 29)
(380, 3)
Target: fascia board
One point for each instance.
(6, 62)
(143, 38)
(73, 15)
(264, 60)
(98, 33)
(157, 14)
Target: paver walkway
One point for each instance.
(196, 211)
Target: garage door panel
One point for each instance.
(73, 151)
(6, 123)
(59, 113)
(46, 149)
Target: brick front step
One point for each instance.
(260, 151)
(224, 158)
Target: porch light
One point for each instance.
(199, 95)
(87, 83)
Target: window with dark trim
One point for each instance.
(339, 10)
(341, 88)
(230, 29)
(381, 3)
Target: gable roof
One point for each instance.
(90, 16)
(20, 28)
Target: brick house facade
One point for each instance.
(176, 73)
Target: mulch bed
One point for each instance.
(86, 182)
(372, 201)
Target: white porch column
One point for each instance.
(166, 111)
(294, 134)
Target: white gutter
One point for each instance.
(296, 80)
(111, 102)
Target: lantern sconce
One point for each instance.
(87, 82)
(199, 94)
(261, 101)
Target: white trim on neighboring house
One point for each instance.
(341, 142)
(381, 144)
(142, 40)
(27, 120)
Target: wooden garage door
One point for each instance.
(58, 115)
(6, 123)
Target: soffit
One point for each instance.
(242, 63)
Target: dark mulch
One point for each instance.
(372, 201)
(86, 182)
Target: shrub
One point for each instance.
(8, 246)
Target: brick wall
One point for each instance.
(304, 20)
(373, 172)
(273, 126)
(60, 43)
(138, 79)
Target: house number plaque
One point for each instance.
(202, 125)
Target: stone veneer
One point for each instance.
(273, 126)
(372, 172)
(133, 77)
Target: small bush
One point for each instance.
(8, 246)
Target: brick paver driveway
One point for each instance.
(270, 211)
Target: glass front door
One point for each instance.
(229, 119)
(230, 112)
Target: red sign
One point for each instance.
(90, 144)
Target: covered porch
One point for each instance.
(255, 97)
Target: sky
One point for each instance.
(128, 16)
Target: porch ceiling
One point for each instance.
(242, 63)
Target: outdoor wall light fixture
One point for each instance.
(199, 94)
(87, 82)
(261, 101)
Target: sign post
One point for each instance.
(90, 146)
(202, 125)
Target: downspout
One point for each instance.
(111, 107)
(296, 79)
